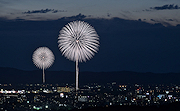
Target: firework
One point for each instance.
(78, 41)
(43, 58)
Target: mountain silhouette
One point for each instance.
(16, 76)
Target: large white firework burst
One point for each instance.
(43, 57)
(78, 41)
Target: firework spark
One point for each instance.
(43, 58)
(78, 41)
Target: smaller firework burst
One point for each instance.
(43, 58)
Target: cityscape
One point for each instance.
(63, 97)
(91, 55)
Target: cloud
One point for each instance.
(147, 10)
(166, 7)
(153, 20)
(43, 11)
(169, 20)
(77, 17)
(108, 15)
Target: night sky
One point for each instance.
(135, 35)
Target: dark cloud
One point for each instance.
(153, 20)
(43, 11)
(89, 16)
(3, 19)
(76, 17)
(166, 7)
(108, 14)
(169, 19)
(146, 10)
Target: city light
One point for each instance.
(41, 97)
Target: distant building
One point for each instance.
(63, 89)
(160, 96)
(82, 98)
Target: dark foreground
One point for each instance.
(166, 107)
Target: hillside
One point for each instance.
(11, 75)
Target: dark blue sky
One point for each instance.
(131, 45)
(135, 35)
